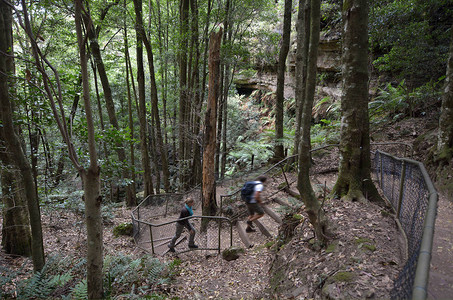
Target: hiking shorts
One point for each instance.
(255, 208)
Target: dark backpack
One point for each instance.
(247, 191)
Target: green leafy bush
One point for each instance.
(410, 38)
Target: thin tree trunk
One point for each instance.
(279, 152)
(96, 52)
(303, 36)
(183, 122)
(224, 84)
(209, 142)
(196, 176)
(91, 180)
(12, 141)
(147, 179)
(354, 179)
(155, 111)
(312, 205)
(130, 108)
(226, 88)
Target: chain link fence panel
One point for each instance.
(407, 186)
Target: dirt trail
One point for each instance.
(441, 272)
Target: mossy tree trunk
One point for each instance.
(209, 142)
(279, 152)
(312, 205)
(354, 179)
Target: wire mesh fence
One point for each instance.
(406, 184)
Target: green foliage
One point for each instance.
(57, 272)
(394, 103)
(326, 132)
(123, 229)
(241, 157)
(330, 15)
(123, 273)
(411, 37)
(79, 291)
(64, 278)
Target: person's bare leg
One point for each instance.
(255, 217)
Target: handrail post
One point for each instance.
(382, 171)
(231, 234)
(402, 179)
(138, 218)
(166, 206)
(284, 175)
(219, 222)
(151, 237)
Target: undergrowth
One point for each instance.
(125, 277)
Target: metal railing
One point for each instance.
(407, 186)
(157, 208)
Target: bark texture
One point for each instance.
(209, 142)
(16, 234)
(354, 180)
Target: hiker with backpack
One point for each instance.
(251, 194)
(186, 211)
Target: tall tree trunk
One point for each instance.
(196, 171)
(354, 180)
(209, 142)
(12, 141)
(303, 36)
(224, 86)
(91, 180)
(312, 205)
(129, 107)
(96, 52)
(155, 111)
(147, 179)
(444, 151)
(183, 98)
(279, 152)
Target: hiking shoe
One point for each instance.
(171, 249)
(250, 224)
(193, 246)
(249, 229)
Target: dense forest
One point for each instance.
(106, 102)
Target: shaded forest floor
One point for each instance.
(363, 258)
